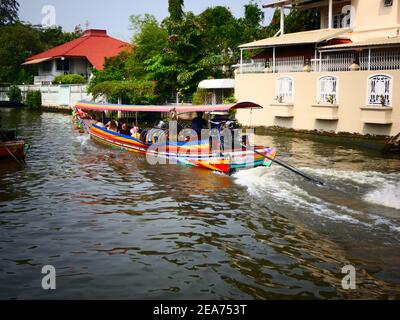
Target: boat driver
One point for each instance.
(198, 123)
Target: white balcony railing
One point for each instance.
(334, 61)
(380, 60)
(287, 64)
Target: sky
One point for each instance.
(113, 15)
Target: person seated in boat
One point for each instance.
(124, 129)
(112, 126)
(135, 132)
(198, 123)
(99, 123)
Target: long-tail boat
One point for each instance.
(197, 153)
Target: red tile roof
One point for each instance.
(95, 45)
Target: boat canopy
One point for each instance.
(95, 106)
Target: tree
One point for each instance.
(175, 9)
(8, 12)
(18, 42)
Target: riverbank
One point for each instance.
(370, 142)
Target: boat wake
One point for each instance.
(362, 198)
(83, 139)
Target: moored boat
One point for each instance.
(11, 147)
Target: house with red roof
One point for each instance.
(78, 56)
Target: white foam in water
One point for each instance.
(83, 139)
(387, 195)
(261, 181)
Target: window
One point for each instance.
(62, 65)
(380, 90)
(388, 3)
(47, 66)
(327, 90)
(284, 90)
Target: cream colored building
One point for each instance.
(344, 77)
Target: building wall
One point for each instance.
(352, 96)
(373, 19)
(79, 66)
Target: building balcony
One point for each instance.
(388, 59)
(376, 115)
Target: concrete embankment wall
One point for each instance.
(54, 96)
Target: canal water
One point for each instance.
(115, 226)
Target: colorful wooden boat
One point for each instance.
(193, 153)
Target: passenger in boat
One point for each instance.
(119, 125)
(198, 123)
(135, 132)
(124, 129)
(112, 126)
(99, 123)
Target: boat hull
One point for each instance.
(12, 148)
(193, 154)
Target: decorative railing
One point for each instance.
(388, 59)
(287, 64)
(336, 62)
(380, 60)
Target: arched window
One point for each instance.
(379, 90)
(284, 90)
(328, 90)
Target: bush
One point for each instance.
(69, 79)
(14, 94)
(33, 99)
(199, 97)
(230, 100)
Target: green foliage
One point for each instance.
(69, 79)
(199, 97)
(132, 91)
(175, 9)
(14, 94)
(18, 42)
(33, 100)
(176, 54)
(8, 12)
(230, 99)
(55, 36)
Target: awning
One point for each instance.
(217, 107)
(297, 38)
(36, 61)
(376, 42)
(94, 106)
(285, 3)
(217, 84)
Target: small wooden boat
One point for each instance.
(9, 149)
(194, 153)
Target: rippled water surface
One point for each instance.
(114, 226)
